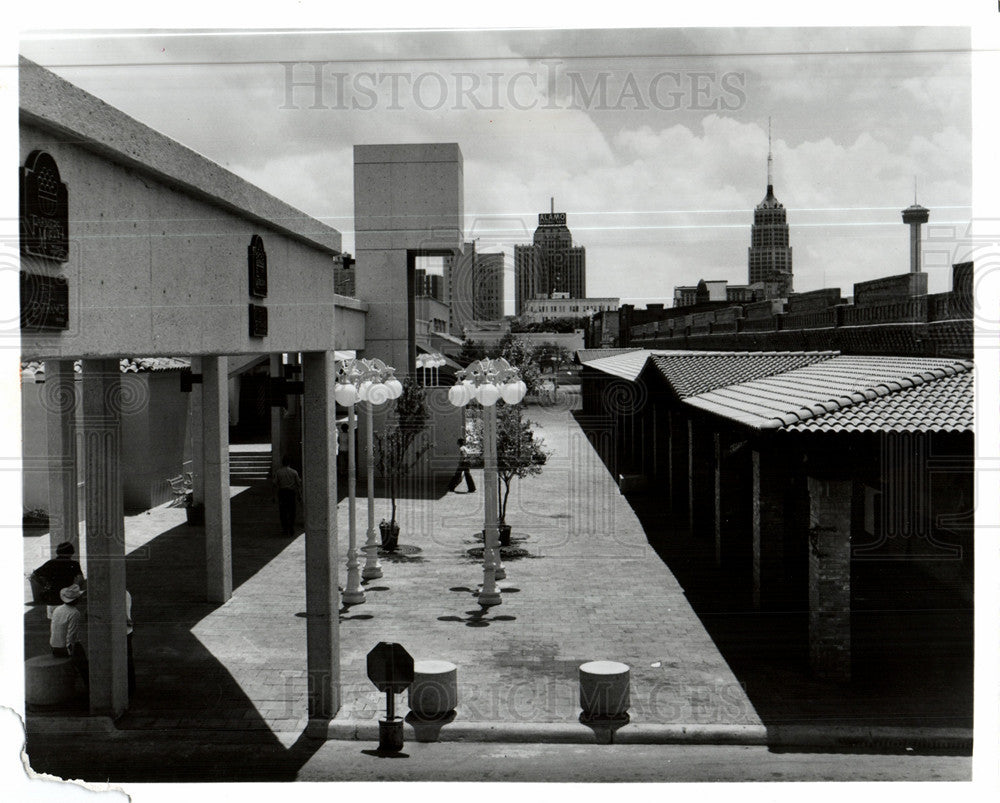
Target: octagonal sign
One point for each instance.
(390, 667)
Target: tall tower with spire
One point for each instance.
(769, 258)
(551, 267)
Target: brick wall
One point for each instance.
(830, 578)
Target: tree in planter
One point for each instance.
(520, 453)
(394, 455)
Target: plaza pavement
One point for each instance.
(586, 586)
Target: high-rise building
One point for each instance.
(551, 264)
(769, 258)
(487, 299)
(475, 287)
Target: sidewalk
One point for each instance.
(585, 585)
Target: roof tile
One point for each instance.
(900, 394)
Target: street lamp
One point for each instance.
(489, 381)
(371, 382)
(432, 361)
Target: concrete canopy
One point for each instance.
(158, 243)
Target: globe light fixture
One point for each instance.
(373, 383)
(489, 382)
(430, 362)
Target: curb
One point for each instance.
(791, 737)
(37, 722)
(780, 736)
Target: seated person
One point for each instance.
(56, 574)
(66, 630)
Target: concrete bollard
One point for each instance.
(604, 697)
(49, 680)
(434, 690)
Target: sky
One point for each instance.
(659, 196)
(653, 141)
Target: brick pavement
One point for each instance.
(587, 587)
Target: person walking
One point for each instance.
(464, 462)
(65, 631)
(288, 485)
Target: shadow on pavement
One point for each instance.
(184, 693)
(911, 664)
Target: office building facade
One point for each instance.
(551, 265)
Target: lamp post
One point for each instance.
(488, 381)
(372, 382)
(432, 361)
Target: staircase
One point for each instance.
(249, 467)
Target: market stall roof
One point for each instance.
(841, 383)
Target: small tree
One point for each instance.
(552, 354)
(472, 350)
(393, 443)
(520, 452)
(521, 355)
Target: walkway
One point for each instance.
(587, 586)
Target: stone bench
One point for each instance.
(49, 680)
(434, 690)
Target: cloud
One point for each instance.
(659, 196)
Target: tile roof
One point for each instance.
(832, 385)
(626, 364)
(942, 405)
(585, 355)
(693, 373)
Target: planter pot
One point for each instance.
(390, 535)
(195, 514)
(504, 534)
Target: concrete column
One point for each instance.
(719, 467)
(732, 502)
(106, 647)
(769, 481)
(320, 489)
(701, 460)
(679, 471)
(197, 436)
(830, 578)
(61, 405)
(215, 430)
(277, 450)
(656, 448)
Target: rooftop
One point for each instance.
(843, 382)
(942, 405)
(690, 373)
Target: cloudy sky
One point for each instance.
(653, 141)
